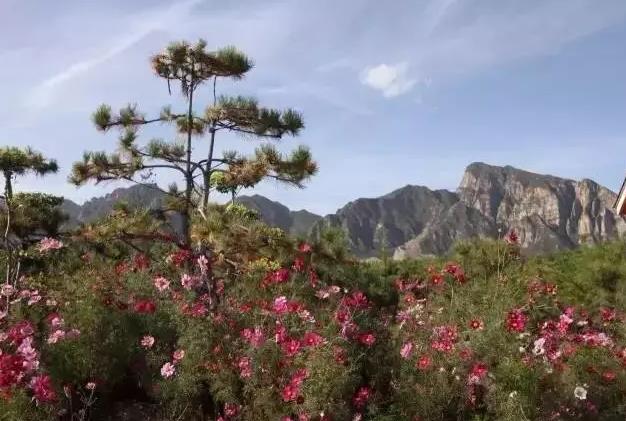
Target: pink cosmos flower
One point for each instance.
(42, 388)
(161, 284)
(178, 355)
(511, 237)
(406, 350)
(245, 367)
(56, 336)
(72, 334)
(48, 244)
(168, 370)
(189, 282)
(147, 341)
(55, 320)
(280, 305)
(203, 264)
(7, 290)
(34, 298)
(254, 337)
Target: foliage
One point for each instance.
(261, 326)
(35, 213)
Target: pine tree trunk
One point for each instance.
(188, 176)
(207, 171)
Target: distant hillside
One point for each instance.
(278, 215)
(549, 213)
(137, 195)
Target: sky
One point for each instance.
(392, 93)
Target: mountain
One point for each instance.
(388, 221)
(134, 196)
(278, 215)
(548, 213)
(273, 213)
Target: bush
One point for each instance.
(266, 327)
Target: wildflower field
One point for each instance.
(265, 327)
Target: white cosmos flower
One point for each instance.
(580, 393)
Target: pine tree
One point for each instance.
(191, 66)
(16, 162)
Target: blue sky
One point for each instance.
(393, 93)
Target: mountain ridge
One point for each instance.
(548, 213)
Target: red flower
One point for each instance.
(360, 398)
(356, 300)
(456, 271)
(180, 257)
(290, 347)
(424, 362)
(144, 306)
(339, 354)
(608, 314)
(342, 316)
(511, 237)
(367, 338)
(298, 264)
(313, 278)
(11, 370)
(290, 392)
(476, 324)
(465, 354)
(305, 248)
(516, 321)
(141, 261)
(121, 268)
(312, 339)
(477, 373)
(231, 410)
(608, 376)
(299, 376)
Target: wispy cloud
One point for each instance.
(42, 95)
(390, 79)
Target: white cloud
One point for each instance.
(392, 80)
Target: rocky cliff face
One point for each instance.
(547, 212)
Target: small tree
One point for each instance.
(13, 162)
(191, 66)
